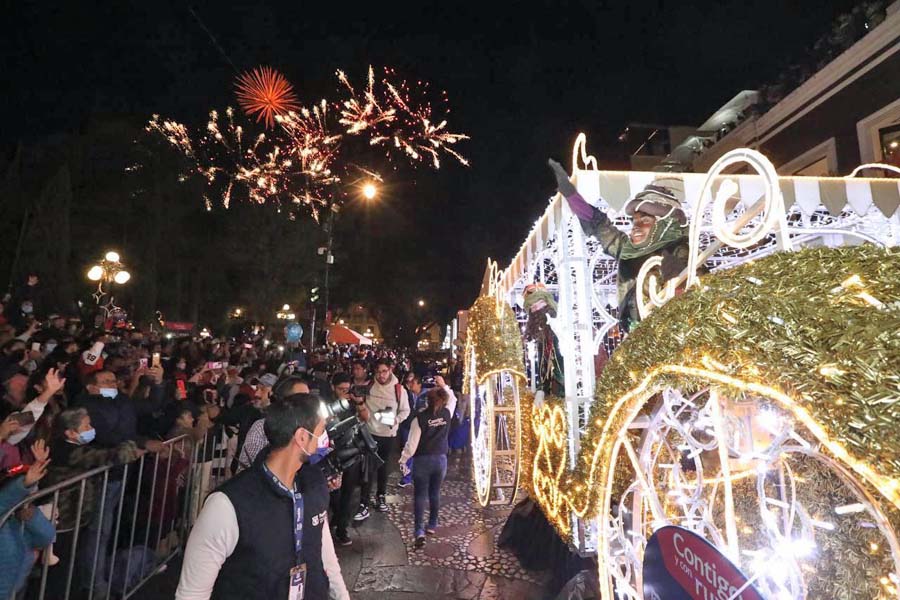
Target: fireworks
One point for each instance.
(393, 118)
(298, 163)
(266, 93)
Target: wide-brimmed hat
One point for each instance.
(661, 198)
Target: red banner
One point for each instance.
(681, 565)
(179, 326)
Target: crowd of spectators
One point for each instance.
(76, 399)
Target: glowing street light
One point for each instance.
(421, 303)
(369, 191)
(108, 270)
(285, 313)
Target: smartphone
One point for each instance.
(155, 360)
(182, 390)
(248, 346)
(142, 362)
(36, 347)
(213, 366)
(23, 418)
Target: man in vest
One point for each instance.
(264, 534)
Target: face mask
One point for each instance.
(30, 366)
(27, 308)
(322, 448)
(109, 392)
(50, 347)
(86, 437)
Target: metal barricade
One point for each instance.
(119, 511)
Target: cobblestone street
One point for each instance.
(460, 561)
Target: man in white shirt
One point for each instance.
(264, 534)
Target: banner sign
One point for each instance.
(681, 565)
(179, 326)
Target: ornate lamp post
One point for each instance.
(109, 270)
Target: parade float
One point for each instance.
(741, 440)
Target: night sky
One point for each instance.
(523, 79)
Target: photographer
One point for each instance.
(388, 407)
(246, 543)
(340, 385)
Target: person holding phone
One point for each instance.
(25, 415)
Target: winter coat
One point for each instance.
(383, 398)
(114, 419)
(17, 543)
(71, 460)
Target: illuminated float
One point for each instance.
(758, 409)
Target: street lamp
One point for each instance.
(421, 303)
(108, 270)
(369, 192)
(285, 313)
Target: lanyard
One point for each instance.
(297, 499)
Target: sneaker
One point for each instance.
(362, 514)
(381, 505)
(430, 530)
(404, 483)
(420, 541)
(342, 539)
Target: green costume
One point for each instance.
(668, 238)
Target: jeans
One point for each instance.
(428, 475)
(384, 451)
(100, 528)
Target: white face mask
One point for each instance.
(109, 392)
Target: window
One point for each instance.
(890, 144)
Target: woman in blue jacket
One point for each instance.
(24, 531)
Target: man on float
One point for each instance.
(659, 229)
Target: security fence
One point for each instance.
(117, 525)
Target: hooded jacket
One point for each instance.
(384, 399)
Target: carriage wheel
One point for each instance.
(743, 473)
(495, 434)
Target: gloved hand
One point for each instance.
(563, 184)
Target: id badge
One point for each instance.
(298, 583)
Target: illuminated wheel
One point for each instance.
(746, 474)
(495, 433)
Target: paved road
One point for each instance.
(461, 561)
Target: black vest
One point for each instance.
(259, 567)
(435, 429)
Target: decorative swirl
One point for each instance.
(732, 233)
(579, 151)
(649, 283)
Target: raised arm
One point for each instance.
(593, 221)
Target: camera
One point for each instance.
(360, 391)
(351, 442)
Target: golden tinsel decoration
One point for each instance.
(493, 335)
(820, 326)
(528, 440)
